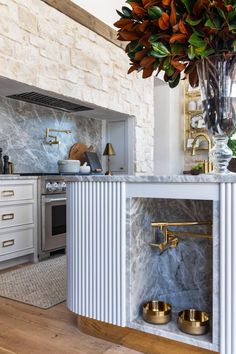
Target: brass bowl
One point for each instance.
(157, 312)
(193, 322)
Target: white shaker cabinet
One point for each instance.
(18, 221)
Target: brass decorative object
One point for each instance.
(193, 117)
(108, 151)
(170, 238)
(193, 322)
(54, 139)
(157, 312)
(207, 164)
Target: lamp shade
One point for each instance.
(109, 150)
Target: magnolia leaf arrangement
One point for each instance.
(172, 36)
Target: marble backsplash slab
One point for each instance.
(22, 134)
(181, 276)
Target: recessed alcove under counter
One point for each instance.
(113, 270)
(181, 276)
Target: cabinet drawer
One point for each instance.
(17, 240)
(11, 192)
(16, 215)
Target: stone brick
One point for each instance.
(67, 73)
(27, 20)
(6, 46)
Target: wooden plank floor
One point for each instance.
(26, 329)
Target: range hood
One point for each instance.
(16, 90)
(49, 101)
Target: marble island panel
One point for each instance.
(203, 178)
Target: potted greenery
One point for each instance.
(172, 36)
(193, 38)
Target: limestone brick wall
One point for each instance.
(42, 47)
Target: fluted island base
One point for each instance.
(133, 339)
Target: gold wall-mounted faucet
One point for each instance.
(54, 138)
(207, 163)
(170, 238)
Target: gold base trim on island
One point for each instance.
(134, 339)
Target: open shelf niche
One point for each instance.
(181, 276)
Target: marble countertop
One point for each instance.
(16, 177)
(203, 178)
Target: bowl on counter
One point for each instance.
(157, 312)
(68, 166)
(192, 321)
(85, 169)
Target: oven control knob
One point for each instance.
(55, 187)
(63, 186)
(49, 187)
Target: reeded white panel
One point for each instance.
(96, 250)
(228, 268)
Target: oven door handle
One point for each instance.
(55, 200)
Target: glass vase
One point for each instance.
(217, 79)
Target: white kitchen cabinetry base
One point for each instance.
(18, 222)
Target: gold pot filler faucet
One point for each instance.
(54, 138)
(170, 238)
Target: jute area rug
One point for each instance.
(42, 284)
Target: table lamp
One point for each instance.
(109, 151)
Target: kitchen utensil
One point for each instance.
(77, 152)
(194, 322)
(157, 312)
(68, 166)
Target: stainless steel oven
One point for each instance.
(53, 222)
(51, 215)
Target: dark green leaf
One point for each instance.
(154, 38)
(196, 41)
(232, 27)
(210, 23)
(198, 32)
(193, 22)
(208, 52)
(126, 11)
(191, 52)
(156, 54)
(221, 12)
(156, 64)
(154, 12)
(160, 49)
(234, 46)
(176, 48)
(134, 46)
(121, 14)
(188, 4)
(174, 82)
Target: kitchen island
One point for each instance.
(113, 270)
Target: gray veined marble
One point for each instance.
(182, 276)
(22, 132)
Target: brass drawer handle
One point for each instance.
(8, 243)
(8, 216)
(8, 193)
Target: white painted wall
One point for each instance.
(105, 10)
(168, 142)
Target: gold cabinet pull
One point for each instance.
(8, 243)
(8, 193)
(8, 216)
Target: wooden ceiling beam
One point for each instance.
(76, 13)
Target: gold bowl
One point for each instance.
(193, 322)
(157, 312)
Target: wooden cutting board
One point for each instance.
(77, 152)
